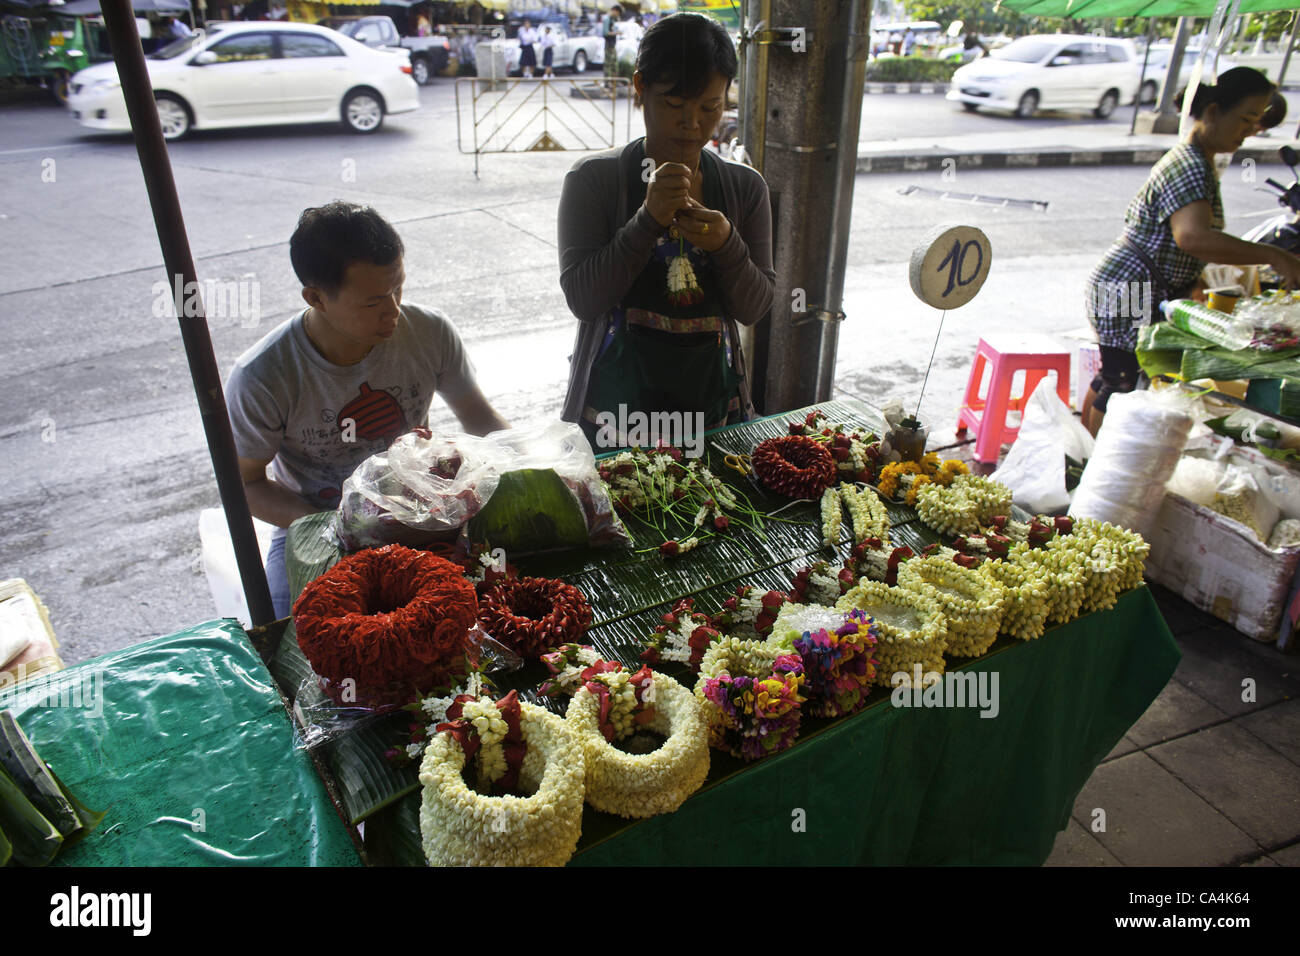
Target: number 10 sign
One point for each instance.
(949, 265)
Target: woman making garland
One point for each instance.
(665, 249)
(1173, 228)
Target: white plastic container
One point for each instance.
(219, 562)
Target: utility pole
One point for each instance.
(804, 71)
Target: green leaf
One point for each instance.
(367, 781)
(531, 510)
(393, 834)
(6, 849)
(35, 839)
(18, 758)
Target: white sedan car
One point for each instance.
(1058, 72)
(256, 74)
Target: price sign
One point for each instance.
(950, 265)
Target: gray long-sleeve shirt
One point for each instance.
(604, 246)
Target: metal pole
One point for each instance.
(1290, 42)
(1166, 105)
(119, 22)
(1146, 57)
(803, 118)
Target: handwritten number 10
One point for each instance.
(957, 257)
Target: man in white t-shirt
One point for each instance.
(339, 381)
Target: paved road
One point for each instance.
(103, 467)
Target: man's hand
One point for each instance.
(706, 228)
(270, 500)
(668, 191)
(476, 414)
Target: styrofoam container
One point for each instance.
(219, 562)
(1220, 566)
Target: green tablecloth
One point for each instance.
(919, 786)
(184, 741)
(895, 785)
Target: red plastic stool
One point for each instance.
(988, 414)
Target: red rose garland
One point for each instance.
(394, 620)
(533, 615)
(794, 466)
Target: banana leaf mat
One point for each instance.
(928, 776)
(183, 742)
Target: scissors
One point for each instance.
(738, 462)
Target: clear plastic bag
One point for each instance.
(321, 719)
(424, 489)
(418, 492)
(1239, 497)
(1196, 479)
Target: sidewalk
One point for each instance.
(1082, 145)
(1204, 778)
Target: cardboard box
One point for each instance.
(1084, 366)
(1220, 566)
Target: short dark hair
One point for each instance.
(684, 49)
(1231, 88)
(330, 238)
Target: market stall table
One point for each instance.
(185, 743)
(887, 785)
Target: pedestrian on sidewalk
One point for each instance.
(609, 30)
(666, 249)
(1173, 229)
(548, 52)
(527, 55)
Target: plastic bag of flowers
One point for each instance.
(836, 648)
(970, 601)
(750, 693)
(530, 758)
(612, 707)
(913, 629)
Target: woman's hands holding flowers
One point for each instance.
(703, 227)
(668, 191)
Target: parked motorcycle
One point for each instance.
(1283, 230)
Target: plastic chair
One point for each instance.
(987, 414)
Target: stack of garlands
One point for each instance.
(836, 652)
(682, 638)
(912, 628)
(795, 466)
(967, 504)
(750, 693)
(532, 615)
(903, 480)
(971, 602)
(856, 452)
(681, 499)
(607, 708)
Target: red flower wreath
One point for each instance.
(533, 615)
(794, 466)
(393, 620)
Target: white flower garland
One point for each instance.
(831, 517)
(1024, 613)
(460, 827)
(642, 785)
(1065, 576)
(913, 629)
(964, 506)
(970, 601)
(867, 512)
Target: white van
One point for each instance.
(1058, 72)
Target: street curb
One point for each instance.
(1030, 159)
(930, 88)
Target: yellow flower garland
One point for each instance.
(971, 602)
(913, 629)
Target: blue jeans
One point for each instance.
(277, 574)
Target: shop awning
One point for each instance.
(90, 8)
(1103, 9)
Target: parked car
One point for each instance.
(1057, 72)
(429, 55)
(1158, 65)
(256, 74)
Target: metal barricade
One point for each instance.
(533, 114)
